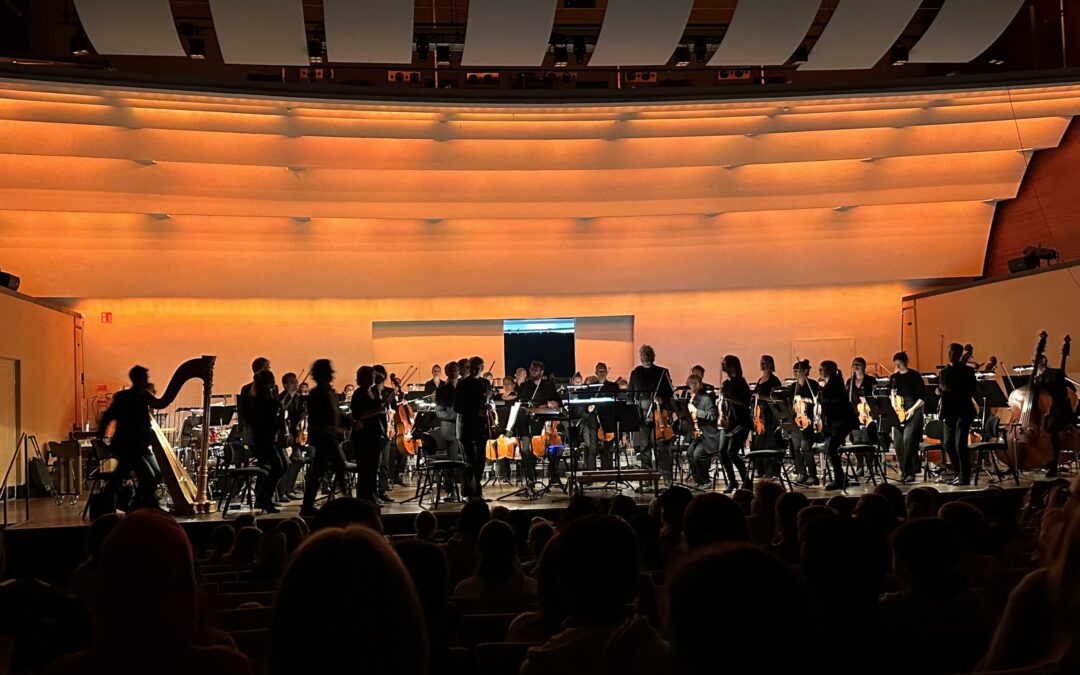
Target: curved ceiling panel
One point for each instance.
(101, 184)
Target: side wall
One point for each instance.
(43, 341)
(1002, 318)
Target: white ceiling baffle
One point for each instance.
(859, 33)
(261, 32)
(508, 32)
(963, 29)
(122, 27)
(640, 32)
(765, 32)
(369, 31)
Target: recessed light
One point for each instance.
(160, 216)
(302, 219)
(843, 207)
(145, 162)
(296, 169)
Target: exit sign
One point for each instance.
(106, 317)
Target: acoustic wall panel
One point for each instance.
(859, 33)
(123, 27)
(640, 32)
(508, 32)
(765, 32)
(963, 29)
(261, 32)
(369, 31)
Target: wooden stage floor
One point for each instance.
(45, 513)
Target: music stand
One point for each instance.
(221, 415)
(991, 394)
(627, 413)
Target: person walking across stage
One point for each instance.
(369, 435)
(130, 410)
(324, 424)
(244, 398)
(909, 395)
(651, 387)
(706, 441)
(838, 419)
(268, 429)
(736, 420)
(471, 401)
(958, 384)
(444, 411)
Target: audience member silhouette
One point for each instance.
(672, 503)
(597, 566)
(761, 524)
(744, 499)
(921, 502)
(85, 578)
(876, 511)
(541, 625)
(347, 511)
(293, 532)
(426, 565)
(498, 575)
(462, 549)
(895, 497)
(222, 539)
(245, 548)
(376, 621)
(426, 525)
(624, 507)
(935, 601)
(713, 518)
(771, 630)
(146, 610)
(786, 542)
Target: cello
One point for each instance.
(1030, 445)
(403, 419)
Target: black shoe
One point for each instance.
(268, 508)
(703, 486)
(960, 480)
(292, 496)
(1052, 472)
(383, 497)
(836, 485)
(811, 482)
(801, 478)
(307, 512)
(731, 487)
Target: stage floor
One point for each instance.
(45, 513)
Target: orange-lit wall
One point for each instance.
(43, 341)
(684, 327)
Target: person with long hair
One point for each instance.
(324, 423)
(498, 574)
(736, 419)
(838, 419)
(767, 438)
(268, 428)
(370, 434)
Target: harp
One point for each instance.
(188, 496)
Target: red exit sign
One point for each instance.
(106, 317)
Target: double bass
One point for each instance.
(1030, 443)
(403, 420)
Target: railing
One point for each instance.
(24, 445)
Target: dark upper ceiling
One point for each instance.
(37, 38)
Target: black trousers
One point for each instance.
(731, 444)
(473, 436)
(597, 448)
(655, 453)
(288, 482)
(391, 465)
(272, 459)
(369, 454)
(802, 453)
(701, 452)
(529, 461)
(147, 477)
(906, 439)
(955, 440)
(834, 440)
(326, 454)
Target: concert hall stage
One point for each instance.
(45, 545)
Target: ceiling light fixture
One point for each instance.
(160, 216)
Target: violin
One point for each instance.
(863, 408)
(759, 417)
(662, 429)
(899, 407)
(799, 406)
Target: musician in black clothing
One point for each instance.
(369, 435)
(324, 425)
(130, 409)
(706, 441)
(651, 386)
(803, 435)
(444, 410)
(294, 407)
(909, 387)
(600, 420)
(699, 370)
(243, 400)
(736, 420)
(432, 385)
(957, 385)
(268, 430)
(471, 404)
(860, 388)
(838, 419)
(535, 392)
(768, 439)
(390, 460)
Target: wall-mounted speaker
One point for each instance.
(10, 281)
